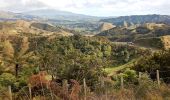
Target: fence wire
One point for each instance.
(107, 90)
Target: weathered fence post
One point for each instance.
(158, 78)
(121, 80)
(47, 86)
(10, 92)
(65, 86)
(30, 92)
(85, 88)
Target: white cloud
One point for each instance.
(21, 5)
(92, 7)
(3, 4)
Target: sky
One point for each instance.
(91, 7)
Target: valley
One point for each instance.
(50, 54)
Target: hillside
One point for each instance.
(152, 43)
(117, 34)
(105, 26)
(166, 42)
(24, 27)
(138, 19)
(162, 42)
(130, 34)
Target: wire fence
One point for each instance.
(66, 92)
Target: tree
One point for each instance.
(17, 58)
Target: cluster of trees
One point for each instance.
(75, 57)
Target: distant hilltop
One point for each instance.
(138, 19)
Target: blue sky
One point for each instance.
(92, 7)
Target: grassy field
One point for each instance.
(113, 70)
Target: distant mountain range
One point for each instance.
(61, 15)
(6, 16)
(47, 14)
(58, 16)
(138, 19)
(82, 23)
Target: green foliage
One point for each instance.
(7, 79)
(106, 50)
(79, 57)
(157, 61)
(130, 75)
(74, 57)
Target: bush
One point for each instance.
(130, 76)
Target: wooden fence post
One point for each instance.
(65, 86)
(47, 86)
(30, 92)
(10, 92)
(121, 80)
(158, 78)
(85, 88)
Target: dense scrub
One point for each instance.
(80, 57)
(158, 61)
